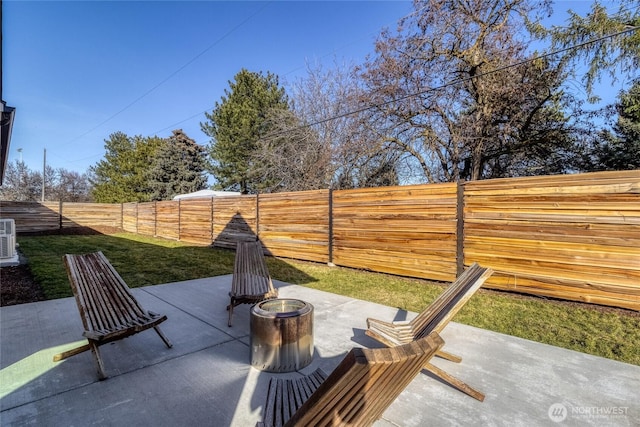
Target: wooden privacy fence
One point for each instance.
(408, 231)
(52, 216)
(574, 237)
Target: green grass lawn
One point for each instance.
(142, 261)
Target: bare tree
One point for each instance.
(321, 142)
(291, 157)
(23, 184)
(70, 186)
(456, 92)
(20, 183)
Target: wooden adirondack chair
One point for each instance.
(434, 318)
(108, 309)
(356, 393)
(251, 281)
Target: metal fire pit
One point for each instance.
(281, 335)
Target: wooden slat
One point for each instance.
(434, 318)
(409, 231)
(130, 217)
(91, 215)
(147, 218)
(32, 216)
(357, 392)
(251, 282)
(295, 225)
(108, 309)
(168, 219)
(573, 237)
(234, 220)
(196, 221)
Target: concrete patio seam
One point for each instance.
(191, 314)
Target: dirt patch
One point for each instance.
(17, 286)
(565, 303)
(74, 231)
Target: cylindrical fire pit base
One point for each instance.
(281, 335)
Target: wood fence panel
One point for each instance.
(195, 221)
(295, 225)
(234, 220)
(573, 237)
(32, 216)
(130, 217)
(91, 215)
(147, 218)
(168, 219)
(408, 231)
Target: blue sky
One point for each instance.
(78, 71)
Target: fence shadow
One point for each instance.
(239, 230)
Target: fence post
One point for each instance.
(459, 229)
(330, 237)
(60, 215)
(213, 206)
(257, 216)
(155, 218)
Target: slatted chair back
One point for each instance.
(106, 303)
(108, 309)
(358, 391)
(438, 314)
(250, 273)
(251, 282)
(434, 318)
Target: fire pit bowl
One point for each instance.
(281, 335)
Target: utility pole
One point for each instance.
(44, 169)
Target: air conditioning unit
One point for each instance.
(7, 238)
(7, 226)
(7, 246)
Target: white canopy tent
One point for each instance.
(205, 194)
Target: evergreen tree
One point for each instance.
(123, 174)
(619, 56)
(620, 149)
(236, 124)
(178, 168)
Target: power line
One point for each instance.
(365, 108)
(458, 81)
(450, 83)
(290, 71)
(192, 60)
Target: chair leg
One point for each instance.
(453, 381)
(448, 356)
(66, 354)
(163, 337)
(230, 308)
(96, 355)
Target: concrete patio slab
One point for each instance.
(206, 378)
